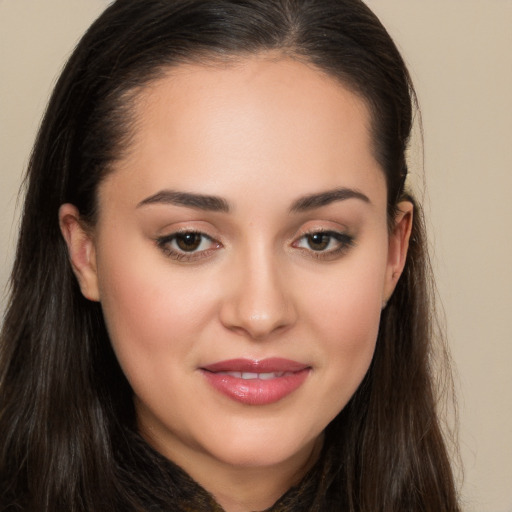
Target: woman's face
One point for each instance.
(242, 257)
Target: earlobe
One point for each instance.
(81, 249)
(398, 246)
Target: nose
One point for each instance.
(259, 301)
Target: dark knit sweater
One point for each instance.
(158, 485)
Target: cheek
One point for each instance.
(350, 298)
(151, 312)
(344, 316)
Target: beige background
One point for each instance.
(459, 52)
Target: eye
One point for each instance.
(325, 243)
(189, 242)
(187, 245)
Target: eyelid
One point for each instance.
(343, 239)
(163, 242)
(345, 242)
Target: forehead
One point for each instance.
(259, 90)
(245, 121)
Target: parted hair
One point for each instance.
(67, 422)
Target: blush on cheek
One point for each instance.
(350, 323)
(352, 308)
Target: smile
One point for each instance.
(261, 376)
(256, 382)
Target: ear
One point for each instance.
(82, 251)
(397, 248)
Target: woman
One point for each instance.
(220, 299)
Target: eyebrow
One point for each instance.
(313, 201)
(197, 201)
(218, 204)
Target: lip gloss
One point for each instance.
(256, 382)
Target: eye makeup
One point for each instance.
(325, 244)
(189, 245)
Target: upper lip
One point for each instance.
(274, 364)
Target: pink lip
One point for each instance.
(256, 391)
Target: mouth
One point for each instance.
(252, 376)
(260, 382)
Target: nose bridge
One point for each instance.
(261, 302)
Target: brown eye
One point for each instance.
(319, 241)
(325, 244)
(188, 242)
(187, 245)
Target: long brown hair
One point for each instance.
(66, 411)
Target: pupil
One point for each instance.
(318, 242)
(188, 241)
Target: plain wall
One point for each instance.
(459, 53)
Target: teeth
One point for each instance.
(249, 375)
(268, 376)
(237, 375)
(252, 375)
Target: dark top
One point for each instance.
(167, 488)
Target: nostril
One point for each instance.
(258, 303)
(257, 325)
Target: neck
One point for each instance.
(256, 489)
(243, 488)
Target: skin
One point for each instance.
(260, 133)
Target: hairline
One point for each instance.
(129, 98)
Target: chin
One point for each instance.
(265, 450)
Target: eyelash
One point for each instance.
(164, 243)
(343, 240)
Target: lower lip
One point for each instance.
(256, 391)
